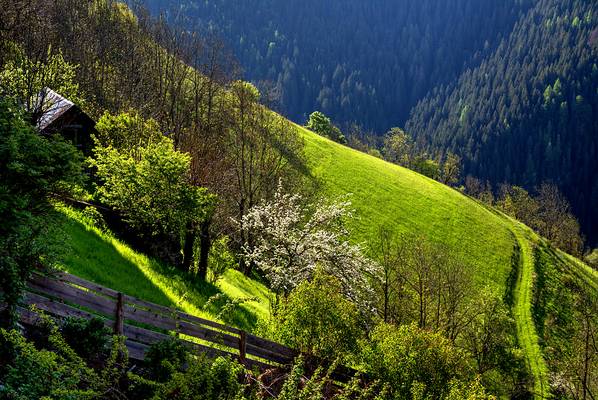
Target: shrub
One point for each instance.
(88, 337)
(205, 379)
(317, 319)
(164, 358)
(473, 390)
(57, 372)
(31, 168)
(33, 374)
(227, 307)
(319, 386)
(414, 362)
(94, 218)
(321, 124)
(139, 387)
(592, 258)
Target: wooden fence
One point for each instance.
(144, 323)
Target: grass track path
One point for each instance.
(522, 310)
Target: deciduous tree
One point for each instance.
(32, 168)
(263, 148)
(292, 242)
(398, 147)
(321, 124)
(451, 169)
(153, 193)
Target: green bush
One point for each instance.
(58, 372)
(94, 218)
(592, 258)
(139, 387)
(88, 337)
(473, 390)
(321, 124)
(127, 131)
(164, 358)
(205, 379)
(22, 78)
(317, 319)
(319, 386)
(415, 363)
(33, 374)
(31, 168)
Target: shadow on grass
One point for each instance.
(100, 258)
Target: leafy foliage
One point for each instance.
(152, 192)
(592, 258)
(32, 168)
(321, 124)
(165, 358)
(127, 132)
(205, 379)
(88, 338)
(37, 373)
(221, 259)
(398, 147)
(290, 244)
(57, 371)
(318, 386)
(415, 361)
(317, 319)
(24, 79)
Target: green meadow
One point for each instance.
(101, 258)
(385, 194)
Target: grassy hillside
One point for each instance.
(100, 257)
(385, 194)
(492, 244)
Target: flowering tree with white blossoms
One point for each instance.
(291, 241)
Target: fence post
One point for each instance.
(118, 326)
(242, 346)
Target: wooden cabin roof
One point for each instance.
(53, 107)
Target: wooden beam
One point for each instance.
(120, 315)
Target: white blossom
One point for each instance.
(290, 241)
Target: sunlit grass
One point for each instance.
(522, 311)
(100, 257)
(384, 194)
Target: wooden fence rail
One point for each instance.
(144, 323)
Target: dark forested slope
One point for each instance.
(358, 61)
(527, 114)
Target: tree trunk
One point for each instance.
(190, 236)
(248, 268)
(248, 265)
(205, 243)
